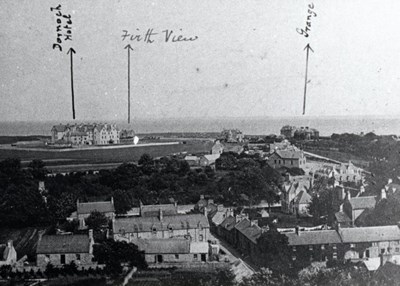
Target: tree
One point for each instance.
(265, 277)
(227, 161)
(274, 251)
(113, 253)
(123, 201)
(37, 169)
(323, 206)
(96, 220)
(145, 159)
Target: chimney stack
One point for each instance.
(297, 230)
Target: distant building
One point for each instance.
(193, 161)
(232, 135)
(299, 133)
(85, 134)
(344, 172)
(64, 249)
(219, 147)
(209, 160)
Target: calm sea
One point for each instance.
(250, 126)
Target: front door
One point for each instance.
(203, 257)
(159, 258)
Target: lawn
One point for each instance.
(106, 155)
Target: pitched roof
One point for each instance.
(192, 158)
(342, 217)
(252, 232)
(370, 234)
(314, 237)
(146, 224)
(303, 198)
(229, 223)
(103, 207)
(60, 128)
(363, 202)
(154, 210)
(243, 224)
(211, 157)
(50, 244)
(199, 247)
(160, 246)
(289, 154)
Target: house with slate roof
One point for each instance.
(369, 242)
(64, 249)
(173, 251)
(354, 207)
(289, 158)
(160, 227)
(85, 209)
(291, 202)
(209, 160)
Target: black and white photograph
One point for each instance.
(199, 143)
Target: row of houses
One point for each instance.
(167, 237)
(354, 244)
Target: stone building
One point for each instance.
(64, 249)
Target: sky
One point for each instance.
(248, 60)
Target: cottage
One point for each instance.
(209, 160)
(173, 251)
(64, 249)
(289, 158)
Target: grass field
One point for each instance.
(105, 155)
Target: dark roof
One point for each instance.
(315, 237)
(251, 232)
(341, 217)
(363, 202)
(154, 210)
(50, 244)
(243, 224)
(370, 234)
(145, 224)
(229, 223)
(60, 128)
(160, 246)
(103, 207)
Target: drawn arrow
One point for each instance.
(308, 48)
(129, 48)
(71, 51)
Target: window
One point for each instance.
(382, 250)
(62, 259)
(275, 161)
(291, 162)
(154, 230)
(176, 256)
(195, 256)
(78, 257)
(201, 237)
(367, 253)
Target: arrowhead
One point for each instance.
(308, 47)
(71, 50)
(128, 47)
